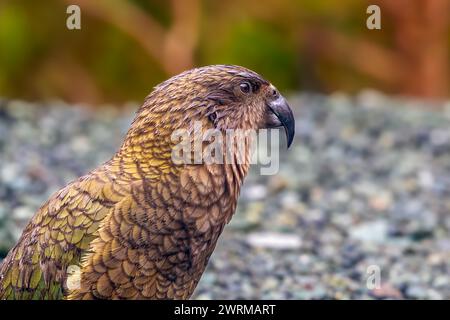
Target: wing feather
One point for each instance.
(56, 237)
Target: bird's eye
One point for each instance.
(245, 87)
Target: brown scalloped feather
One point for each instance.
(139, 226)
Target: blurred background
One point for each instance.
(366, 185)
(127, 46)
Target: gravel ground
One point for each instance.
(364, 189)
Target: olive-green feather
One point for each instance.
(56, 237)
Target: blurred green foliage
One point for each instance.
(125, 47)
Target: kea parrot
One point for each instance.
(143, 226)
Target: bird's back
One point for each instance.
(56, 237)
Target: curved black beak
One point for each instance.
(283, 117)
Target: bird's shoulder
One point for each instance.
(57, 235)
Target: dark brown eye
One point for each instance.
(245, 87)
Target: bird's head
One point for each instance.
(222, 96)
